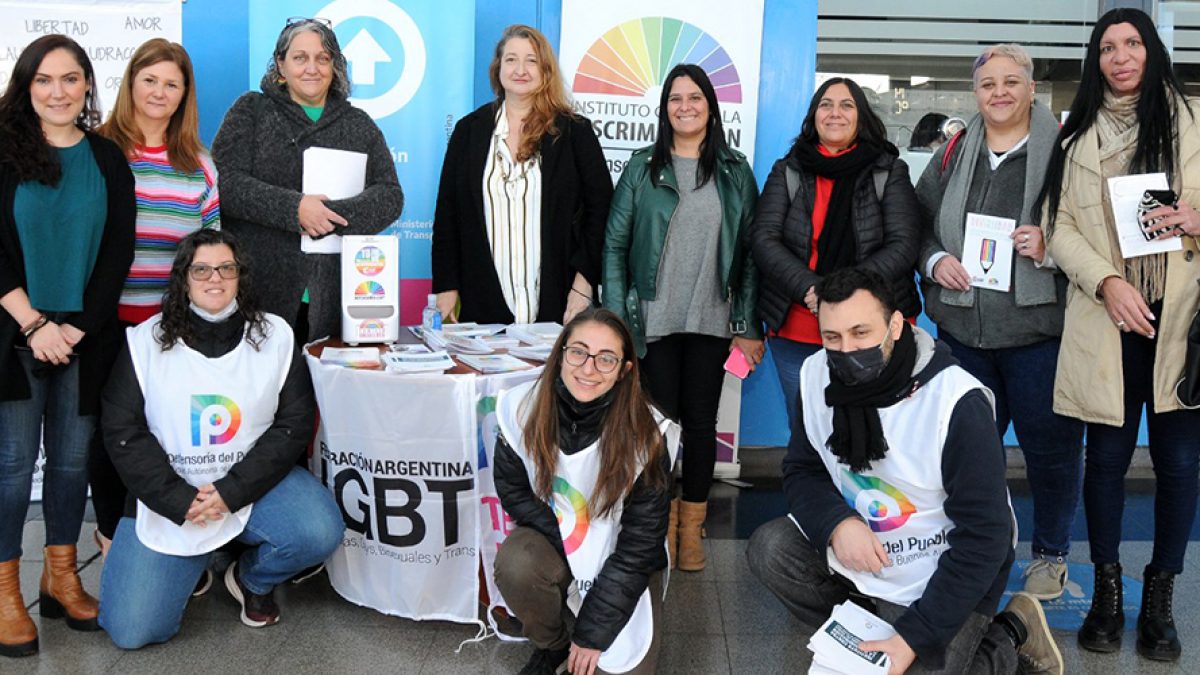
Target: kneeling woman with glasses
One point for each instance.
(582, 465)
(206, 412)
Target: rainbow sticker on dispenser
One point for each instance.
(368, 290)
(570, 507)
(617, 55)
(883, 506)
(369, 261)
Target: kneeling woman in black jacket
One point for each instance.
(205, 414)
(582, 465)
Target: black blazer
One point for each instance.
(98, 320)
(576, 191)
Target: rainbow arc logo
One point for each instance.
(635, 56)
(573, 497)
(215, 419)
(883, 506)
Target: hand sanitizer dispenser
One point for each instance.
(370, 289)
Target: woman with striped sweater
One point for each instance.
(155, 121)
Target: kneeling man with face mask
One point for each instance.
(895, 484)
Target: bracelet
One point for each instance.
(575, 290)
(33, 327)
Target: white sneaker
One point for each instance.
(1045, 579)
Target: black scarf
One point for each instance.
(857, 438)
(579, 424)
(836, 245)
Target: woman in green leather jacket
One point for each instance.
(677, 269)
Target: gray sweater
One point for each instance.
(995, 321)
(259, 156)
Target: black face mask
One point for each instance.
(859, 366)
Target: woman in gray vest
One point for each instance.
(1008, 339)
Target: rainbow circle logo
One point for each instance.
(368, 289)
(572, 501)
(215, 419)
(635, 56)
(884, 507)
(369, 261)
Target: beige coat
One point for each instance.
(1089, 384)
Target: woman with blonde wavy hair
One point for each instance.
(523, 198)
(156, 123)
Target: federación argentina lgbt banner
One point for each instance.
(411, 68)
(616, 54)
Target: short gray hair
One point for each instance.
(340, 86)
(1010, 50)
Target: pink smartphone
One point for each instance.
(737, 365)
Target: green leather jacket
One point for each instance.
(638, 220)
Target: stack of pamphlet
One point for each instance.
(417, 362)
(450, 341)
(493, 363)
(835, 644)
(351, 357)
(539, 352)
(535, 333)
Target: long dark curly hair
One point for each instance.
(176, 310)
(24, 150)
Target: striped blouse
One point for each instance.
(512, 209)
(170, 206)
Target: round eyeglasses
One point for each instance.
(203, 272)
(606, 362)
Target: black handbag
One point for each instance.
(1188, 389)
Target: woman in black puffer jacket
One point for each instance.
(841, 197)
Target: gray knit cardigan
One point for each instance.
(259, 156)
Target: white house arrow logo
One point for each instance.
(364, 53)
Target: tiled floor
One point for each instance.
(718, 621)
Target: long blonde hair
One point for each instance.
(549, 101)
(183, 131)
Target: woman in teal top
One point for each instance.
(66, 242)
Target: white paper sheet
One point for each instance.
(835, 644)
(337, 174)
(1125, 192)
(988, 251)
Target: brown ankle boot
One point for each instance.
(673, 534)
(62, 594)
(18, 634)
(691, 546)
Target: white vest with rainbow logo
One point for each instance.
(901, 496)
(588, 541)
(206, 414)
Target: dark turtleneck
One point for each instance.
(215, 339)
(579, 424)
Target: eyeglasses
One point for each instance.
(295, 20)
(606, 362)
(202, 272)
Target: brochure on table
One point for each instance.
(370, 289)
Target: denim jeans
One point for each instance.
(143, 593)
(66, 435)
(1174, 451)
(1022, 378)
(788, 565)
(789, 355)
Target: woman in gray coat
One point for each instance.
(259, 152)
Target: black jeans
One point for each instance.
(683, 373)
(1174, 450)
(789, 566)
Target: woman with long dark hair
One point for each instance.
(66, 241)
(206, 413)
(581, 465)
(156, 123)
(259, 150)
(1127, 319)
(522, 199)
(677, 269)
(839, 198)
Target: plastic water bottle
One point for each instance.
(431, 318)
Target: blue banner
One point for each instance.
(412, 69)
